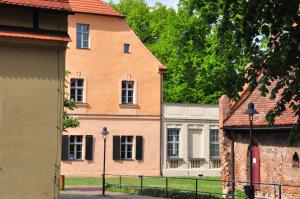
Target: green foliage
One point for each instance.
(69, 122)
(270, 33)
(200, 67)
(206, 45)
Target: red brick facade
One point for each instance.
(275, 161)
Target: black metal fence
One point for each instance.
(196, 188)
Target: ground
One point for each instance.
(93, 192)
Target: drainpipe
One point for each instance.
(161, 121)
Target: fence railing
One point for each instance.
(196, 188)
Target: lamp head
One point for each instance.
(251, 110)
(104, 132)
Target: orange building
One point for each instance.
(116, 83)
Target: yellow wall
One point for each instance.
(30, 111)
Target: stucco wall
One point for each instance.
(30, 112)
(103, 66)
(149, 129)
(190, 118)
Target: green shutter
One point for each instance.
(139, 148)
(65, 148)
(89, 147)
(116, 147)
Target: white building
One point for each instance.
(190, 140)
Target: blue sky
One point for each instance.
(169, 3)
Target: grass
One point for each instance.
(186, 184)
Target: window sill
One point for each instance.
(196, 158)
(81, 104)
(214, 158)
(81, 160)
(83, 48)
(174, 158)
(133, 106)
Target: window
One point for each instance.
(127, 92)
(126, 147)
(75, 152)
(173, 142)
(77, 90)
(214, 144)
(126, 48)
(83, 36)
(295, 161)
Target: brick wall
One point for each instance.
(276, 159)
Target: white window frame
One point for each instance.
(213, 142)
(81, 32)
(76, 88)
(126, 144)
(126, 89)
(76, 143)
(173, 143)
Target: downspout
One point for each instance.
(161, 122)
(232, 176)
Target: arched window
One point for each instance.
(295, 160)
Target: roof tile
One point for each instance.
(93, 7)
(262, 105)
(61, 5)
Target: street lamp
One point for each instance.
(250, 111)
(104, 134)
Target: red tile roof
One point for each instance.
(34, 36)
(93, 7)
(61, 5)
(262, 105)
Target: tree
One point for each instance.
(200, 67)
(269, 33)
(68, 121)
(275, 24)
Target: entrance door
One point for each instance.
(256, 166)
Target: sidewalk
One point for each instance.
(93, 192)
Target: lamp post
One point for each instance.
(104, 134)
(250, 111)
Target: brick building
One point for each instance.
(274, 161)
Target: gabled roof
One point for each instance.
(237, 118)
(93, 7)
(61, 5)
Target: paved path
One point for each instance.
(95, 193)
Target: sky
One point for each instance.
(169, 3)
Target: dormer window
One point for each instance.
(82, 35)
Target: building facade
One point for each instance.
(274, 160)
(190, 140)
(33, 40)
(116, 83)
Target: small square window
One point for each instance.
(126, 48)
